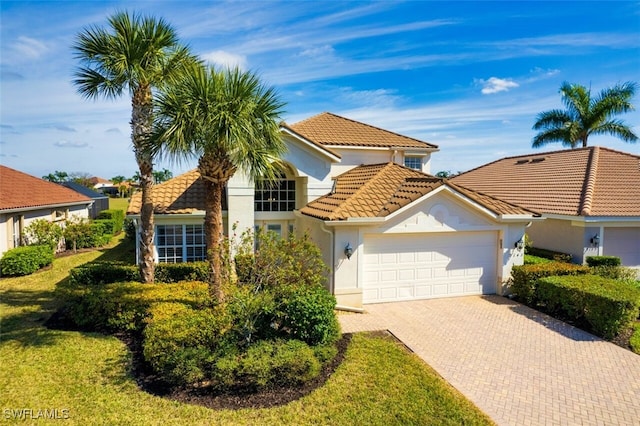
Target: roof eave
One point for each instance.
(45, 206)
(334, 157)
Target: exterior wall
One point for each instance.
(560, 235)
(314, 170)
(29, 216)
(322, 236)
(426, 160)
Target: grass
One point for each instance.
(119, 203)
(379, 382)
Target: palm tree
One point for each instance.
(229, 121)
(585, 116)
(137, 54)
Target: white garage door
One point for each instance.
(623, 243)
(423, 266)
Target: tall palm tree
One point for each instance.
(229, 121)
(138, 54)
(585, 116)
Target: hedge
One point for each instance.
(549, 254)
(98, 273)
(593, 261)
(121, 307)
(530, 259)
(25, 260)
(116, 215)
(609, 306)
(524, 277)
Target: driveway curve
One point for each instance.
(519, 366)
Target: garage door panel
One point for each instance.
(623, 243)
(425, 266)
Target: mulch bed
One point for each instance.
(237, 399)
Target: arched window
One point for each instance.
(277, 196)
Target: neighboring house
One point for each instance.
(590, 198)
(25, 198)
(103, 185)
(100, 201)
(387, 229)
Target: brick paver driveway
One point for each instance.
(519, 366)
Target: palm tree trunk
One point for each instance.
(141, 125)
(213, 232)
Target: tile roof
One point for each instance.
(181, 195)
(592, 181)
(378, 190)
(329, 129)
(19, 190)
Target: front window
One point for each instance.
(278, 196)
(413, 162)
(180, 243)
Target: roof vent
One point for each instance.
(522, 161)
(537, 160)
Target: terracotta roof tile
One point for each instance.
(328, 129)
(378, 190)
(592, 181)
(21, 190)
(181, 195)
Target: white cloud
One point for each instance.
(315, 52)
(67, 144)
(495, 85)
(226, 59)
(29, 47)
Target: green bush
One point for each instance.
(82, 233)
(25, 260)
(116, 215)
(180, 342)
(42, 232)
(267, 364)
(634, 341)
(107, 226)
(524, 277)
(603, 261)
(307, 313)
(129, 229)
(548, 254)
(98, 273)
(609, 306)
(124, 306)
(619, 273)
(530, 259)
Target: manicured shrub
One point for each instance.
(116, 215)
(634, 341)
(619, 273)
(609, 306)
(98, 273)
(267, 364)
(524, 277)
(530, 259)
(180, 342)
(82, 233)
(124, 306)
(25, 260)
(43, 232)
(106, 226)
(603, 261)
(307, 313)
(129, 229)
(548, 254)
(175, 272)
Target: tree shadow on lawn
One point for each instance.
(25, 313)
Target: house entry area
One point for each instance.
(423, 266)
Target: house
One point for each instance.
(590, 198)
(100, 201)
(103, 185)
(388, 230)
(25, 198)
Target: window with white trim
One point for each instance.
(180, 243)
(278, 196)
(413, 162)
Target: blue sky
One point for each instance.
(467, 76)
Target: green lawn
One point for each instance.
(118, 203)
(86, 373)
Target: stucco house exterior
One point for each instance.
(25, 198)
(387, 229)
(589, 197)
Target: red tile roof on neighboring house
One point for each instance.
(378, 190)
(19, 190)
(592, 181)
(329, 129)
(181, 195)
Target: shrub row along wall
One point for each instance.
(524, 278)
(609, 306)
(113, 272)
(25, 260)
(549, 254)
